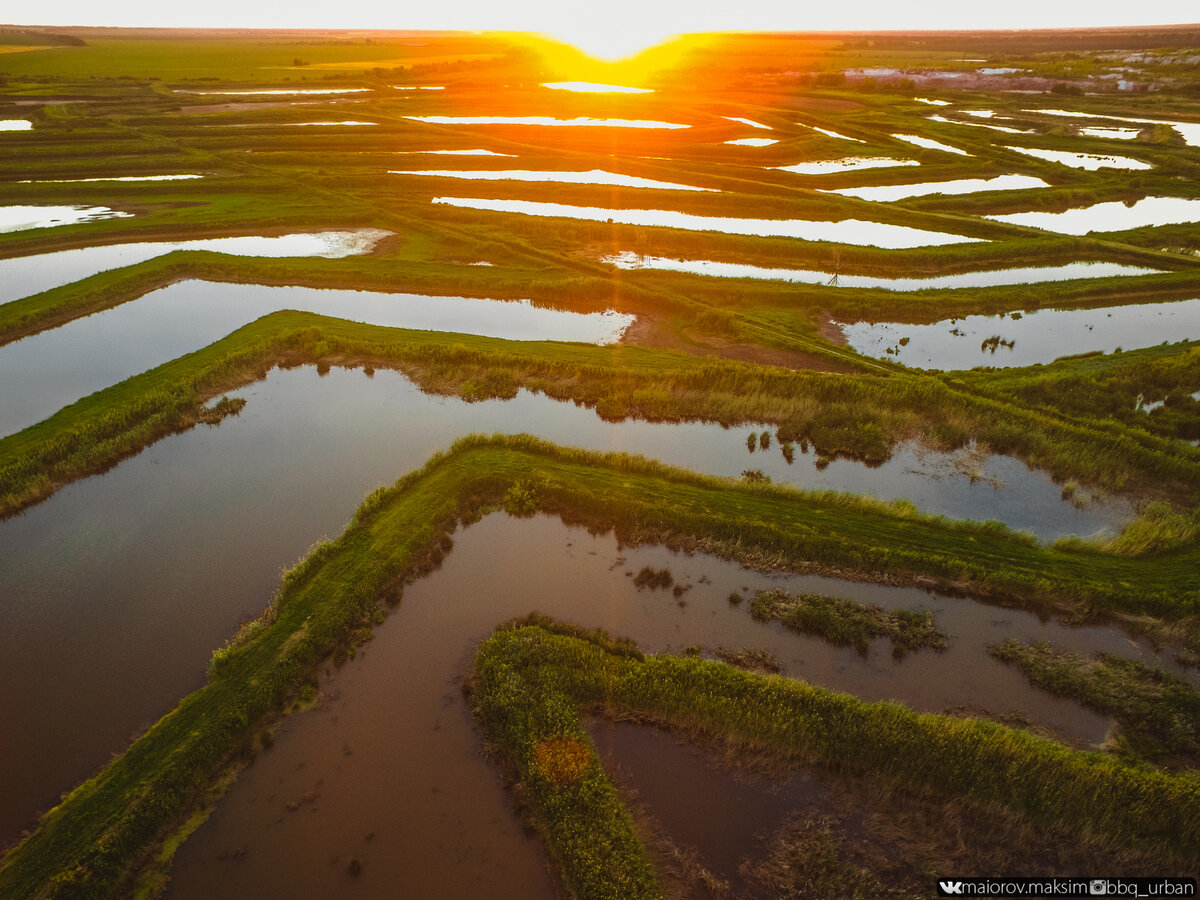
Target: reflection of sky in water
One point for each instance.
(594, 176)
(848, 231)
(960, 186)
(23, 218)
(1111, 216)
(581, 121)
(631, 260)
(49, 370)
(1089, 161)
(127, 557)
(1040, 336)
(23, 276)
(753, 142)
(929, 143)
(848, 164)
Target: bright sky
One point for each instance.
(630, 24)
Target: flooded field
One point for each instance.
(25, 218)
(1115, 215)
(55, 368)
(889, 192)
(23, 276)
(127, 557)
(591, 87)
(111, 178)
(593, 176)
(847, 164)
(985, 278)
(832, 134)
(578, 122)
(392, 744)
(138, 547)
(1025, 339)
(1089, 161)
(847, 231)
(929, 144)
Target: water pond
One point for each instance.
(275, 92)
(929, 144)
(847, 231)
(1114, 215)
(15, 125)
(846, 164)
(1089, 161)
(594, 176)
(1025, 275)
(581, 121)
(23, 276)
(753, 142)
(1024, 339)
(591, 87)
(888, 192)
(391, 751)
(110, 178)
(832, 134)
(749, 122)
(115, 590)
(24, 218)
(49, 370)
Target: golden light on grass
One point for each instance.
(563, 760)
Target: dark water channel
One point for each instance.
(115, 591)
(391, 751)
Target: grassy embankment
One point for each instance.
(856, 416)
(530, 682)
(86, 845)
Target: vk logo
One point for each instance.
(951, 887)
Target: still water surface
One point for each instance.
(46, 371)
(1040, 336)
(24, 218)
(847, 231)
(115, 591)
(1026, 275)
(1115, 215)
(23, 276)
(391, 750)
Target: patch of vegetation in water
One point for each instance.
(530, 680)
(846, 622)
(1158, 713)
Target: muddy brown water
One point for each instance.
(390, 750)
(115, 591)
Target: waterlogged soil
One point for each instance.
(46, 371)
(1025, 338)
(390, 750)
(24, 276)
(115, 590)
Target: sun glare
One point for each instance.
(612, 43)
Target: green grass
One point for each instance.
(530, 680)
(89, 841)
